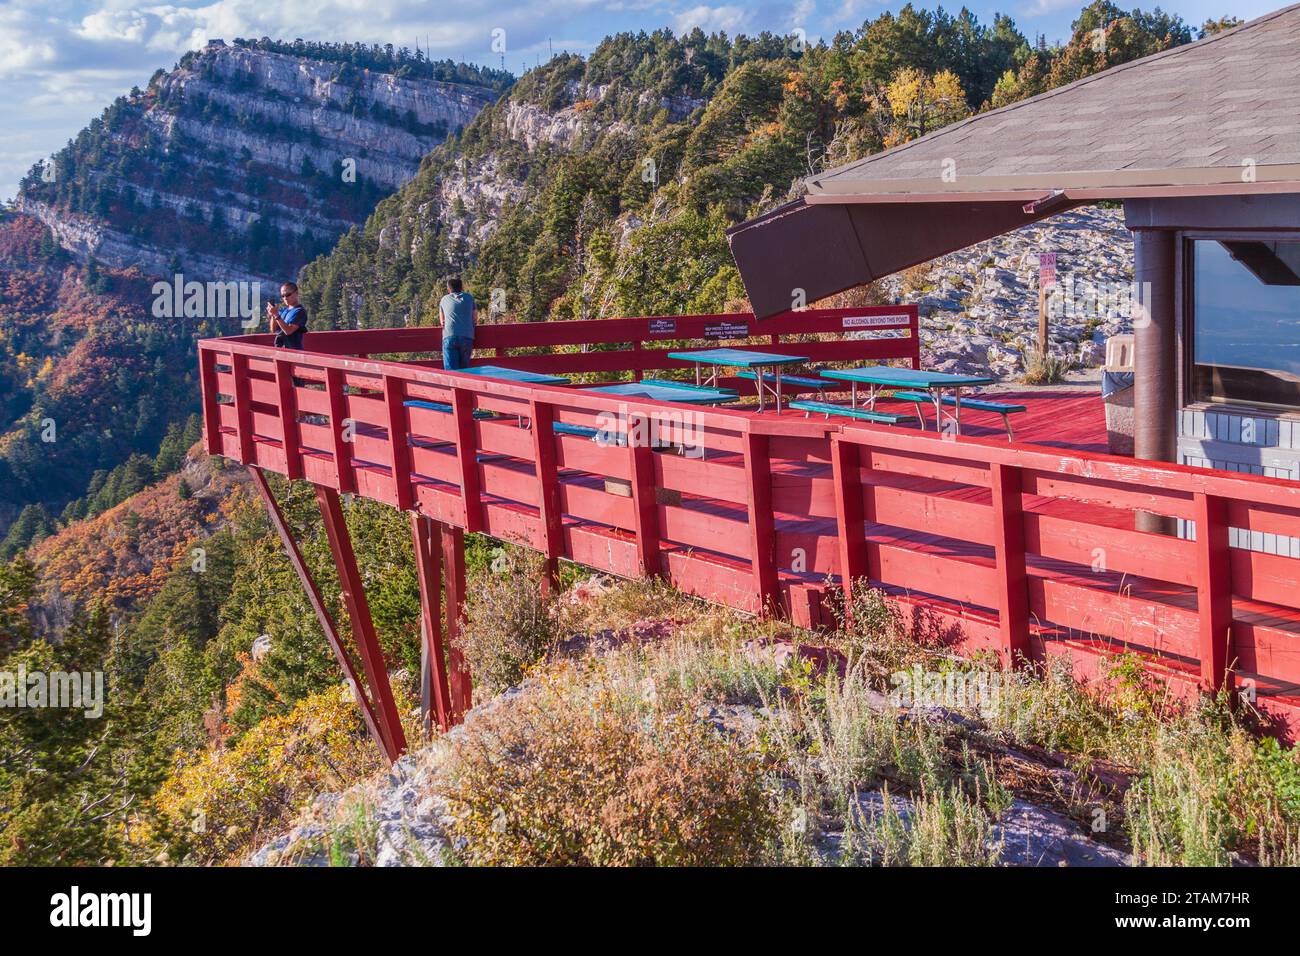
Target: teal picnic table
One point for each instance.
(513, 375)
(689, 394)
(760, 362)
(879, 378)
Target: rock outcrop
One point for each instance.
(979, 306)
(241, 163)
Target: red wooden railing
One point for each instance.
(1015, 548)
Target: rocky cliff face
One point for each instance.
(242, 163)
(979, 306)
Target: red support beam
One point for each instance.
(426, 537)
(211, 415)
(462, 405)
(548, 478)
(363, 627)
(645, 507)
(762, 523)
(849, 518)
(243, 409)
(340, 435)
(1009, 554)
(322, 615)
(453, 563)
(399, 442)
(1213, 590)
(291, 434)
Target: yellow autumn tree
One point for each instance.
(921, 103)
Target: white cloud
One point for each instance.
(731, 19)
(21, 46)
(130, 26)
(802, 13)
(1038, 8)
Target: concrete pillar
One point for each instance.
(1155, 389)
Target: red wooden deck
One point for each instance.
(1028, 549)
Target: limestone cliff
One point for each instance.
(245, 161)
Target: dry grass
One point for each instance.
(559, 779)
(507, 627)
(604, 757)
(1044, 369)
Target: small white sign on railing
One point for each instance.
(875, 321)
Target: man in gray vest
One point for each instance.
(458, 314)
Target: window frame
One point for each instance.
(1187, 340)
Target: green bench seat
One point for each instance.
(801, 382)
(1005, 409)
(579, 431)
(444, 407)
(863, 414)
(690, 386)
(585, 431)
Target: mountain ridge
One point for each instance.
(241, 162)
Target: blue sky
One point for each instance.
(63, 61)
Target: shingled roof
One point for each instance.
(1213, 118)
(1194, 114)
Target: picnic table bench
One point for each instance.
(849, 411)
(1005, 409)
(512, 375)
(800, 383)
(673, 383)
(744, 359)
(663, 392)
(880, 378)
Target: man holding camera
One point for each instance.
(290, 325)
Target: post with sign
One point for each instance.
(1046, 279)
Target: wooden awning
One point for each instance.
(805, 251)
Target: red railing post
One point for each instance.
(399, 441)
(762, 522)
(322, 615)
(1009, 553)
(435, 695)
(914, 332)
(1213, 590)
(211, 410)
(363, 627)
(243, 408)
(846, 473)
(453, 565)
(462, 404)
(347, 478)
(290, 433)
(645, 507)
(548, 485)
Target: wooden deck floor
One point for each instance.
(1066, 418)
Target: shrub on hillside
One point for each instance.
(223, 801)
(507, 626)
(550, 780)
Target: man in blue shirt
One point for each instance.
(458, 314)
(291, 323)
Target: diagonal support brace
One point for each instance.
(363, 626)
(318, 605)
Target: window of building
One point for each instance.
(1246, 321)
